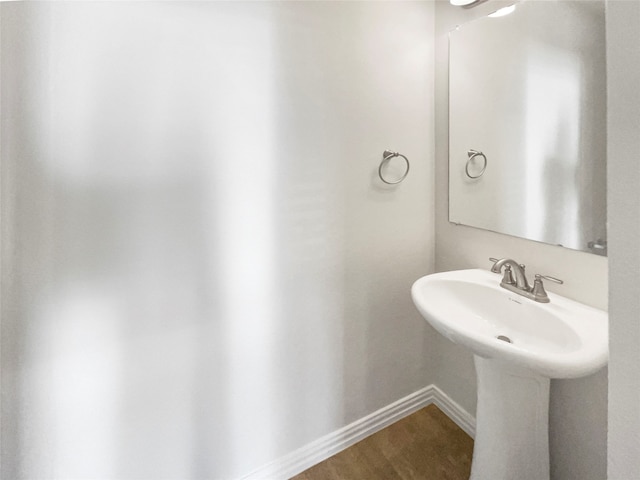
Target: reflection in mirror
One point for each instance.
(528, 91)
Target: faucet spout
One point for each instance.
(518, 272)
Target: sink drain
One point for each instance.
(504, 339)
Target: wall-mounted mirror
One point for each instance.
(527, 139)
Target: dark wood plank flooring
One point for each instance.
(426, 445)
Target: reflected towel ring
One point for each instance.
(473, 154)
(386, 156)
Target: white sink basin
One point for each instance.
(560, 339)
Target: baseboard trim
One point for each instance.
(315, 452)
(455, 412)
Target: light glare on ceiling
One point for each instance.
(503, 11)
(462, 3)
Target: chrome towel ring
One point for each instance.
(386, 156)
(473, 154)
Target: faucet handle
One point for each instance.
(507, 278)
(538, 291)
(547, 277)
(493, 268)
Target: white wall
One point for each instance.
(578, 410)
(200, 270)
(623, 66)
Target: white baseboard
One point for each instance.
(315, 452)
(455, 412)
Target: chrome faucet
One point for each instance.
(514, 279)
(512, 267)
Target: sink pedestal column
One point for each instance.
(512, 423)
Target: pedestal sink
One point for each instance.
(518, 345)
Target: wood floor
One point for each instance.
(426, 445)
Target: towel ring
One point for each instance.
(386, 156)
(473, 154)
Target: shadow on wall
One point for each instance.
(180, 274)
(113, 341)
(138, 313)
(196, 276)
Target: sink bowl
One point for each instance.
(560, 339)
